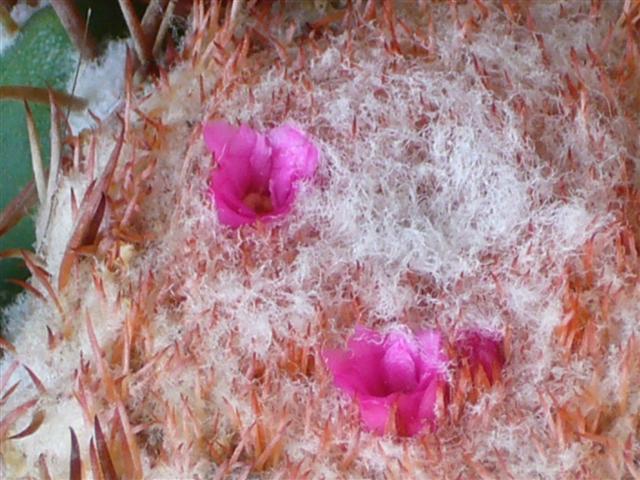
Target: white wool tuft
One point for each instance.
(101, 83)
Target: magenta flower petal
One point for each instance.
(260, 163)
(394, 370)
(427, 407)
(374, 412)
(217, 135)
(407, 420)
(257, 174)
(399, 367)
(245, 161)
(482, 349)
(231, 210)
(346, 376)
(294, 158)
(358, 369)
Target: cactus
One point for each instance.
(477, 170)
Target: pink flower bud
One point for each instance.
(481, 350)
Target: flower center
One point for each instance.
(258, 202)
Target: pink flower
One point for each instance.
(397, 372)
(482, 349)
(257, 174)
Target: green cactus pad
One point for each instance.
(41, 56)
